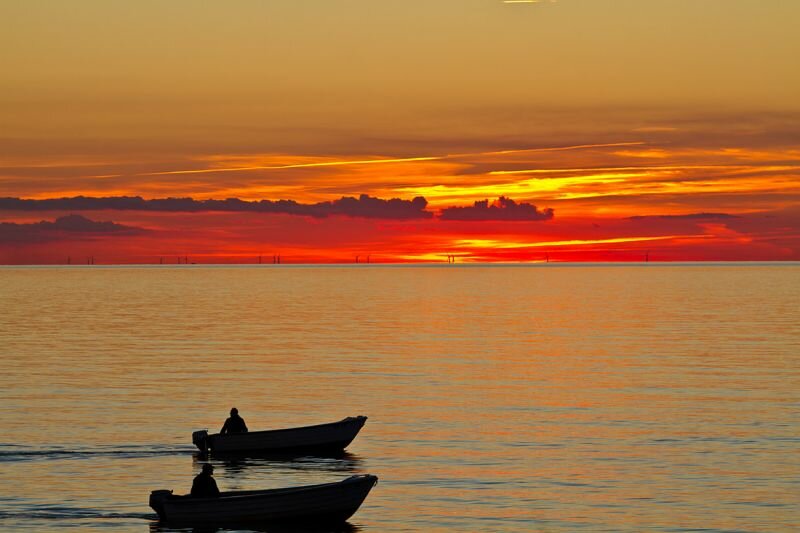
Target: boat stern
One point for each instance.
(200, 439)
(157, 499)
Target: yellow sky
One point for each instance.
(290, 74)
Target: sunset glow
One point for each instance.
(677, 147)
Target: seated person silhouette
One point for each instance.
(204, 485)
(234, 424)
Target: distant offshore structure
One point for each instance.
(464, 258)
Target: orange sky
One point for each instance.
(668, 128)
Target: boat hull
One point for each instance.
(328, 503)
(322, 439)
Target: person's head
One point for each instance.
(208, 468)
(234, 411)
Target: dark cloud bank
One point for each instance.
(504, 209)
(365, 206)
(67, 225)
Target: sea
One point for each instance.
(542, 397)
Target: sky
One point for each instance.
(400, 131)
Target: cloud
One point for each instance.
(504, 209)
(74, 225)
(368, 207)
(297, 165)
(364, 206)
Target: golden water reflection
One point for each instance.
(499, 398)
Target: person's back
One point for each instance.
(234, 424)
(204, 485)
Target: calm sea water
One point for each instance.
(551, 398)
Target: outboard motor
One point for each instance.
(157, 498)
(200, 439)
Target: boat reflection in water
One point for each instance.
(239, 467)
(345, 527)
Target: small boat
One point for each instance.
(328, 438)
(328, 503)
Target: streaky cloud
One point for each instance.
(382, 161)
(297, 165)
(505, 244)
(689, 216)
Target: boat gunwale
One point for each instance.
(344, 421)
(237, 496)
